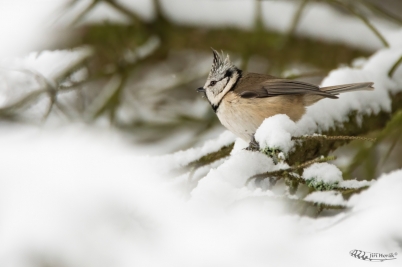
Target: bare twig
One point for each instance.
(355, 12)
(284, 173)
(84, 12)
(126, 11)
(297, 17)
(52, 97)
(378, 10)
(24, 101)
(394, 67)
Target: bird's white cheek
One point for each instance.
(211, 97)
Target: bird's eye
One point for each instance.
(212, 83)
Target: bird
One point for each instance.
(243, 100)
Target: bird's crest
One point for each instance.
(219, 65)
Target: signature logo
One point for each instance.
(370, 256)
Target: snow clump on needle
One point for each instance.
(325, 172)
(276, 132)
(332, 198)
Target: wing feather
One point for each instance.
(277, 87)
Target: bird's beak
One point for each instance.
(201, 90)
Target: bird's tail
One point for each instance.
(338, 89)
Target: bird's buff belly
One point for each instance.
(243, 116)
(242, 122)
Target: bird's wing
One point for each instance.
(277, 87)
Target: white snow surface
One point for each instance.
(27, 25)
(325, 172)
(182, 158)
(76, 196)
(355, 183)
(222, 187)
(333, 198)
(276, 132)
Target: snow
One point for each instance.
(92, 200)
(220, 187)
(182, 158)
(325, 172)
(239, 145)
(355, 183)
(333, 198)
(276, 132)
(26, 26)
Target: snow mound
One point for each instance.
(276, 132)
(80, 197)
(332, 198)
(324, 172)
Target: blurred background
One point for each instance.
(134, 65)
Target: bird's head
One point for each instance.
(222, 77)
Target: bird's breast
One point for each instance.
(238, 116)
(243, 116)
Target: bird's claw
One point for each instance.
(253, 145)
